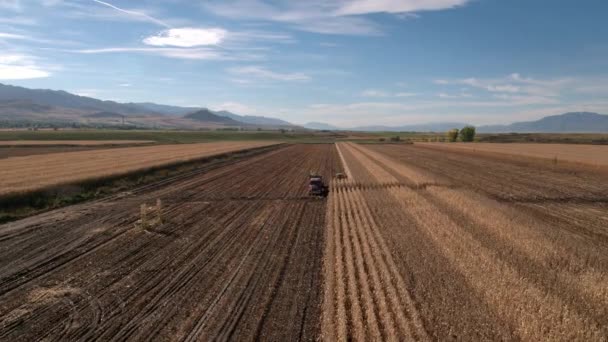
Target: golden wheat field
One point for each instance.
(30, 173)
(586, 154)
(72, 142)
(416, 255)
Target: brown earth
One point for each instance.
(237, 256)
(416, 244)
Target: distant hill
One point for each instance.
(43, 105)
(577, 122)
(105, 115)
(321, 126)
(206, 115)
(430, 127)
(166, 109)
(23, 106)
(60, 98)
(254, 120)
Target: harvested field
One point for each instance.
(22, 151)
(238, 256)
(417, 243)
(72, 142)
(32, 173)
(417, 250)
(585, 154)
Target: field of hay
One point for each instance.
(32, 173)
(72, 142)
(586, 154)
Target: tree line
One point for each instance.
(466, 134)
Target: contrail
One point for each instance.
(156, 21)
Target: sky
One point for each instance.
(343, 62)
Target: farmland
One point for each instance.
(71, 142)
(32, 173)
(586, 154)
(416, 243)
(421, 247)
(239, 254)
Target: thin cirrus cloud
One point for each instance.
(381, 93)
(262, 73)
(396, 6)
(134, 13)
(326, 17)
(195, 54)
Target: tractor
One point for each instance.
(316, 187)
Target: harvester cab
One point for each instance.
(316, 187)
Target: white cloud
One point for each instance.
(179, 53)
(381, 93)
(265, 74)
(454, 96)
(18, 20)
(4, 35)
(20, 67)
(326, 16)
(14, 5)
(125, 85)
(355, 7)
(514, 84)
(374, 93)
(187, 37)
(406, 94)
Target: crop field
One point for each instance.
(35, 172)
(238, 256)
(416, 243)
(431, 245)
(72, 142)
(585, 154)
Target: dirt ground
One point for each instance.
(238, 255)
(416, 244)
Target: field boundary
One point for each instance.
(16, 206)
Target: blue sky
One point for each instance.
(343, 62)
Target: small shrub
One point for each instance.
(452, 135)
(467, 134)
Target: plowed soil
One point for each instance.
(238, 256)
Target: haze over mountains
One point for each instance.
(576, 122)
(20, 105)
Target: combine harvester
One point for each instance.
(316, 187)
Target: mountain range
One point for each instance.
(57, 107)
(23, 106)
(576, 122)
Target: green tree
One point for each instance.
(452, 135)
(467, 134)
